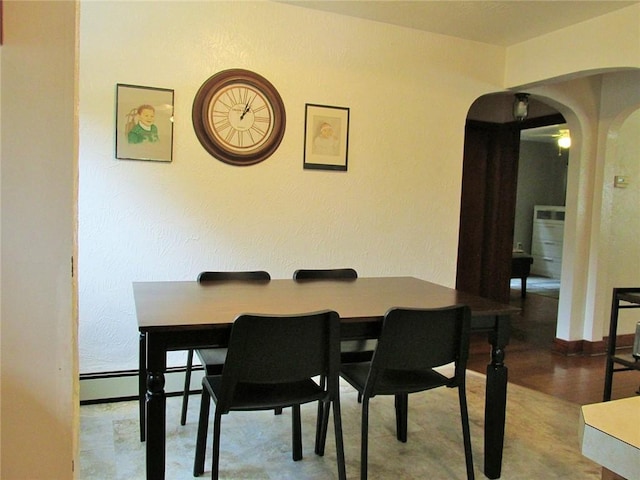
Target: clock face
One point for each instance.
(239, 117)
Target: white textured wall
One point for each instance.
(612, 237)
(625, 215)
(395, 212)
(623, 225)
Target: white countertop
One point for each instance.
(610, 435)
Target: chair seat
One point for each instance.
(392, 382)
(265, 396)
(212, 359)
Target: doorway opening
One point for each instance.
(540, 206)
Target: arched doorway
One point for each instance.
(489, 186)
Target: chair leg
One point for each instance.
(215, 463)
(322, 425)
(337, 426)
(296, 429)
(322, 422)
(466, 433)
(364, 446)
(402, 414)
(319, 449)
(201, 439)
(187, 387)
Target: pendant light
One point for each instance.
(521, 106)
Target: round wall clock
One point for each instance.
(239, 117)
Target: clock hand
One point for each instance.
(246, 109)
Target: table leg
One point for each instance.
(142, 383)
(495, 401)
(156, 409)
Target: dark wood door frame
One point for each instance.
(488, 202)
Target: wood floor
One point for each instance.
(532, 364)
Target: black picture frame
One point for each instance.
(326, 137)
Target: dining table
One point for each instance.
(181, 315)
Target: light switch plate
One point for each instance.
(620, 181)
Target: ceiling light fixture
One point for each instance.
(564, 141)
(521, 106)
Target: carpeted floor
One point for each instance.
(541, 440)
(547, 287)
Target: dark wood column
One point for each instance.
(487, 213)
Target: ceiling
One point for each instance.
(501, 23)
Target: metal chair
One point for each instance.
(212, 359)
(259, 374)
(412, 343)
(622, 298)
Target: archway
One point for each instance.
(594, 105)
(489, 186)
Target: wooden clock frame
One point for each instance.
(202, 124)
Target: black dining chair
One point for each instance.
(412, 343)
(259, 374)
(358, 350)
(212, 359)
(354, 350)
(325, 273)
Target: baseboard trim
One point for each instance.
(588, 348)
(122, 385)
(623, 341)
(567, 347)
(594, 348)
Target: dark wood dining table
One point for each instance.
(185, 314)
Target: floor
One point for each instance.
(541, 439)
(531, 361)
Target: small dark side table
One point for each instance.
(521, 268)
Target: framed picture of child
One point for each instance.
(326, 137)
(144, 123)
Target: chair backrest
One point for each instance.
(272, 349)
(420, 340)
(258, 275)
(329, 273)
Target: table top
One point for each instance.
(181, 304)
